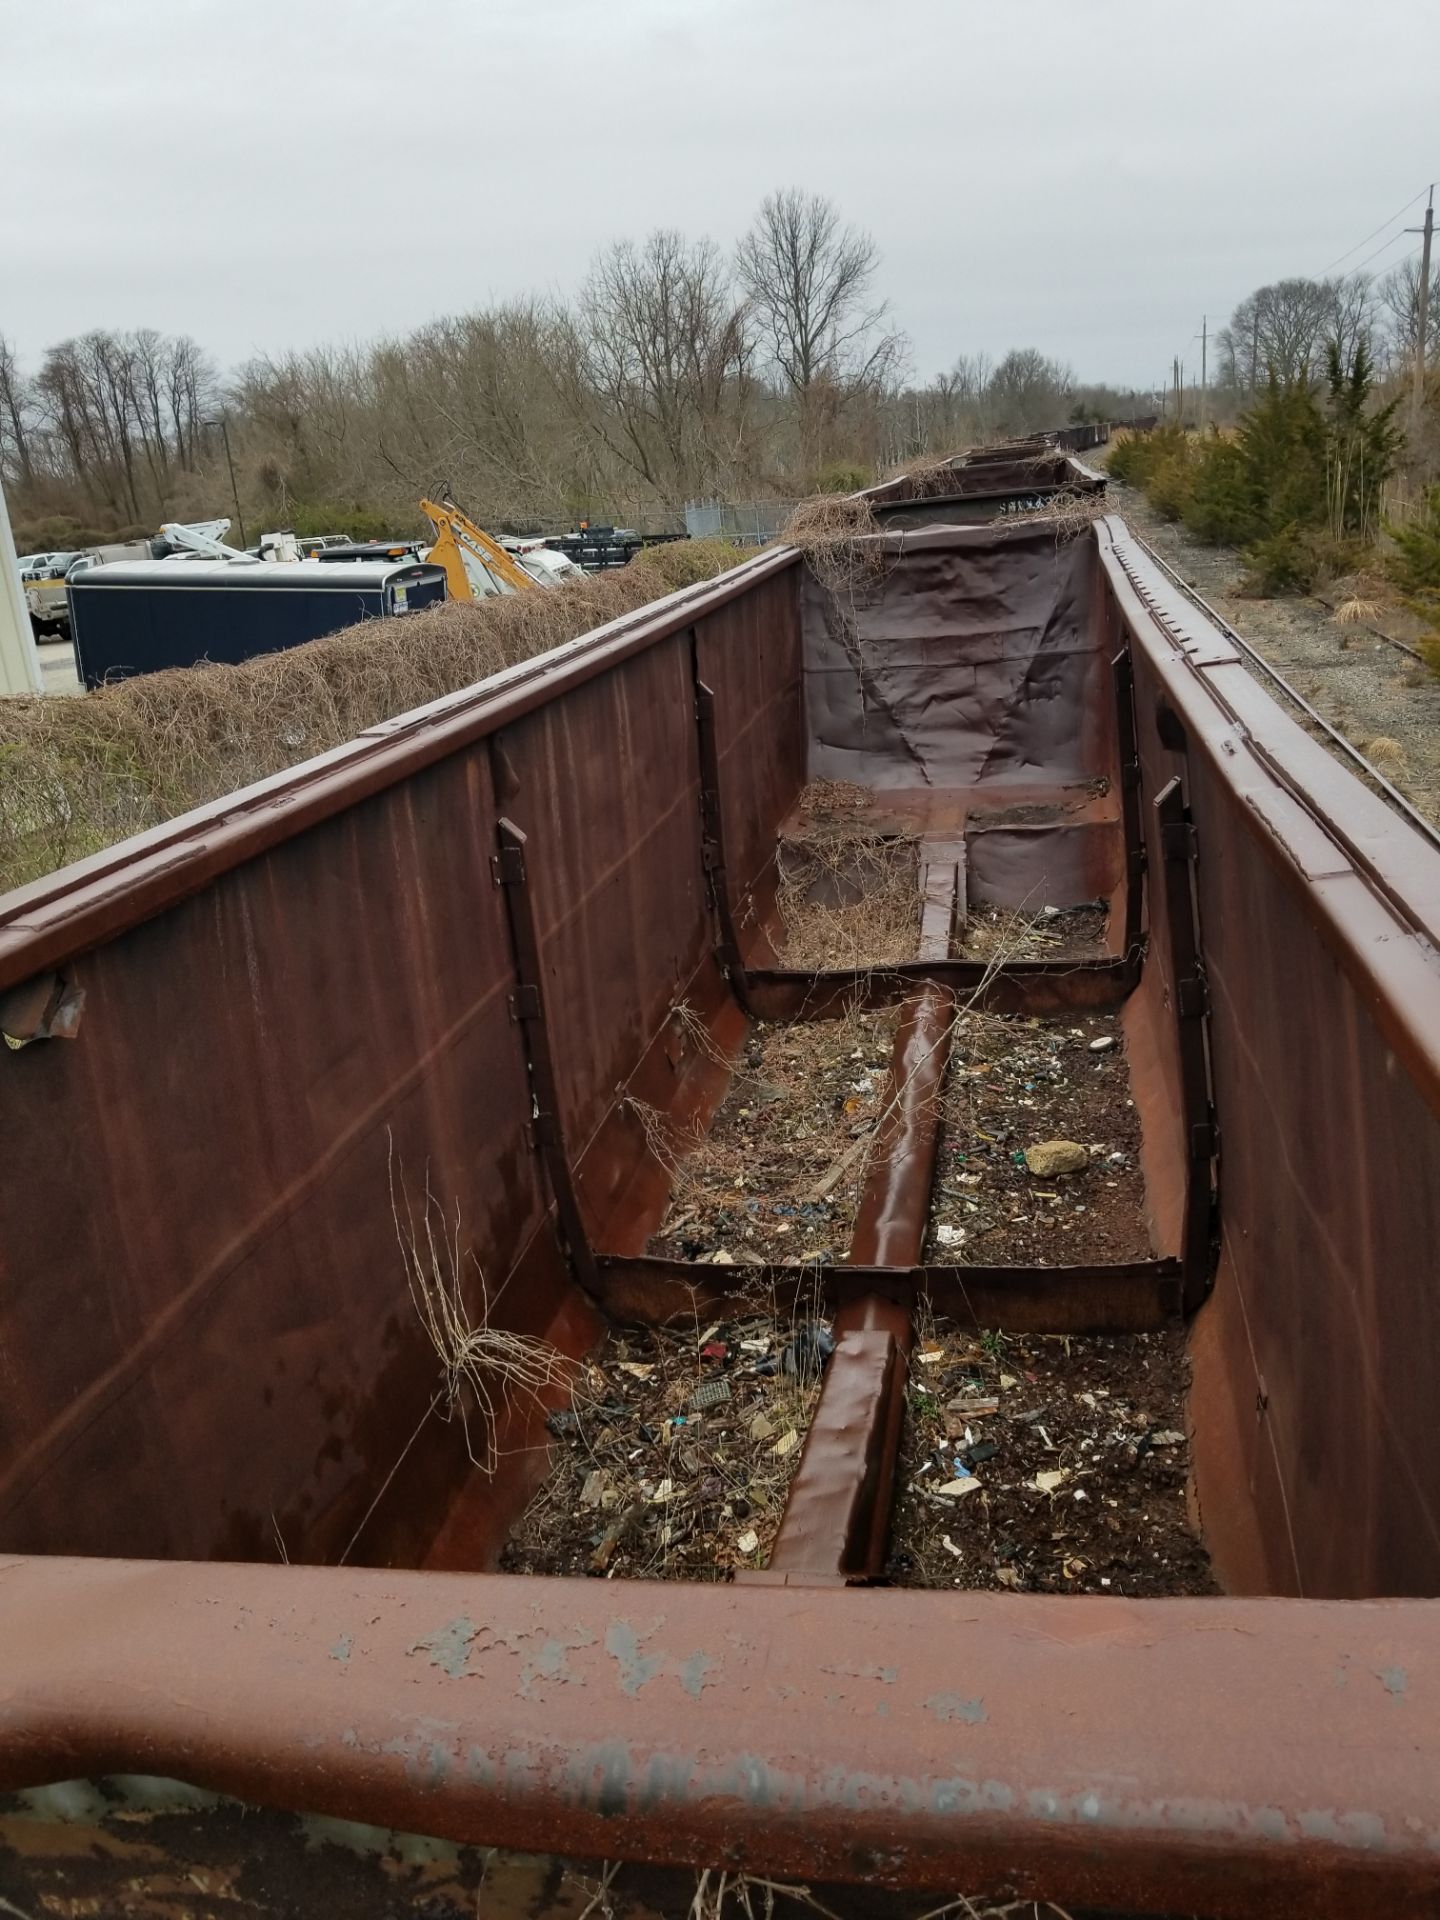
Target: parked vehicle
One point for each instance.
(179, 612)
(45, 593)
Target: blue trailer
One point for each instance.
(151, 614)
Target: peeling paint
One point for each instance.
(342, 1647)
(954, 1706)
(637, 1670)
(1395, 1680)
(449, 1648)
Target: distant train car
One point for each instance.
(140, 618)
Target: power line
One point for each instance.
(1379, 250)
(1370, 236)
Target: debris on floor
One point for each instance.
(778, 1175)
(675, 1458)
(848, 896)
(1039, 1156)
(1048, 933)
(1046, 1464)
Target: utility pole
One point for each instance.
(224, 425)
(1204, 365)
(1424, 315)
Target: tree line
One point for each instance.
(675, 372)
(1285, 330)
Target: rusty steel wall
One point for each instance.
(207, 1321)
(749, 656)
(1319, 916)
(209, 1347)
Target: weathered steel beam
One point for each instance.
(1236, 1758)
(1197, 1237)
(1137, 1296)
(836, 1523)
(712, 831)
(1017, 986)
(527, 1007)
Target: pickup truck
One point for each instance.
(44, 583)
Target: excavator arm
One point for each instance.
(475, 565)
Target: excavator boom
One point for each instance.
(475, 565)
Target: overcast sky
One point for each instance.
(1085, 176)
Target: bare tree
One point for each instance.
(1028, 393)
(809, 283)
(16, 404)
(1399, 297)
(1282, 330)
(654, 362)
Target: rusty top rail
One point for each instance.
(1238, 1757)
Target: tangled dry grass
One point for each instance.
(847, 896)
(927, 476)
(1071, 512)
(78, 775)
(840, 538)
(484, 1369)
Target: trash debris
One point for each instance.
(930, 1356)
(748, 1541)
(1104, 1044)
(1017, 1091)
(777, 1175)
(654, 1471)
(806, 1354)
(1075, 1499)
(950, 1546)
(714, 1393)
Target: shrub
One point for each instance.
(1223, 507)
(840, 478)
(1281, 562)
(1415, 564)
(1168, 485)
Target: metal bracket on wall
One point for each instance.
(1123, 671)
(527, 1008)
(1179, 846)
(712, 837)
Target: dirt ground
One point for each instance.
(1385, 703)
(647, 1484)
(778, 1175)
(1012, 1084)
(1046, 1464)
(1053, 933)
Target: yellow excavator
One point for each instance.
(475, 565)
